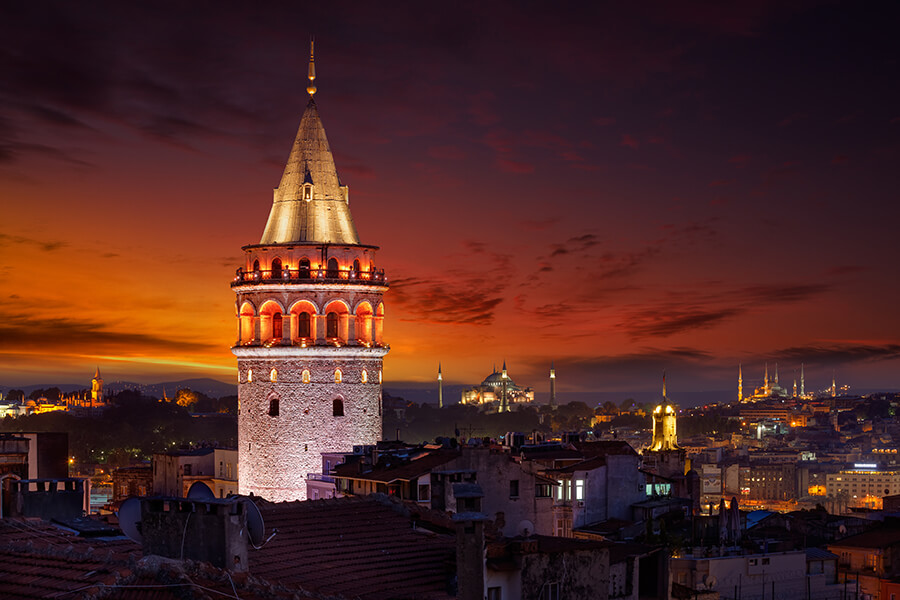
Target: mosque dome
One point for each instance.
(495, 379)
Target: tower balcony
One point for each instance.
(301, 276)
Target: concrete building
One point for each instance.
(309, 314)
(516, 496)
(865, 485)
(175, 472)
(599, 488)
(779, 575)
(869, 559)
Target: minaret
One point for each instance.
(552, 386)
(310, 322)
(776, 374)
(802, 382)
(795, 388)
(740, 383)
(766, 380)
(504, 398)
(833, 385)
(440, 388)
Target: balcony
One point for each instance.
(320, 477)
(310, 276)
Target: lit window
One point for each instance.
(338, 376)
(249, 375)
(579, 489)
(305, 376)
(379, 376)
(364, 377)
(273, 375)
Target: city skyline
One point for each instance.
(691, 190)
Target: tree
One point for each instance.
(186, 398)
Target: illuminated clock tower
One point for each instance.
(310, 318)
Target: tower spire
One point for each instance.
(766, 380)
(802, 381)
(740, 383)
(664, 385)
(311, 89)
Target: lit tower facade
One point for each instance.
(664, 456)
(310, 321)
(740, 383)
(664, 434)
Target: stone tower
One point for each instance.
(310, 318)
(664, 432)
(97, 389)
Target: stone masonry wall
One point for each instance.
(276, 453)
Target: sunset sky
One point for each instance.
(681, 186)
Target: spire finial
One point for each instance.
(664, 384)
(312, 69)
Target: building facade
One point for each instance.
(309, 337)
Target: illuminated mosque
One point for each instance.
(497, 392)
(770, 389)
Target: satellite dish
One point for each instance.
(200, 491)
(130, 519)
(255, 526)
(525, 528)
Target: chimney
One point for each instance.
(212, 530)
(469, 522)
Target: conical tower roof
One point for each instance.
(310, 204)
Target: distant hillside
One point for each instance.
(209, 387)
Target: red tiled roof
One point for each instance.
(876, 538)
(606, 448)
(585, 465)
(403, 472)
(357, 547)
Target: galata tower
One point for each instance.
(310, 319)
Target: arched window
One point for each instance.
(333, 269)
(273, 375)
(356, 267)
(379, 376)
(304, 377)
(304, 268)
(364, 377)
(303, 322)
(256, 265)
(249, 375)
(337, 407)
(273, 407)
(276, 268)
(338, 376)
(331, 325)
